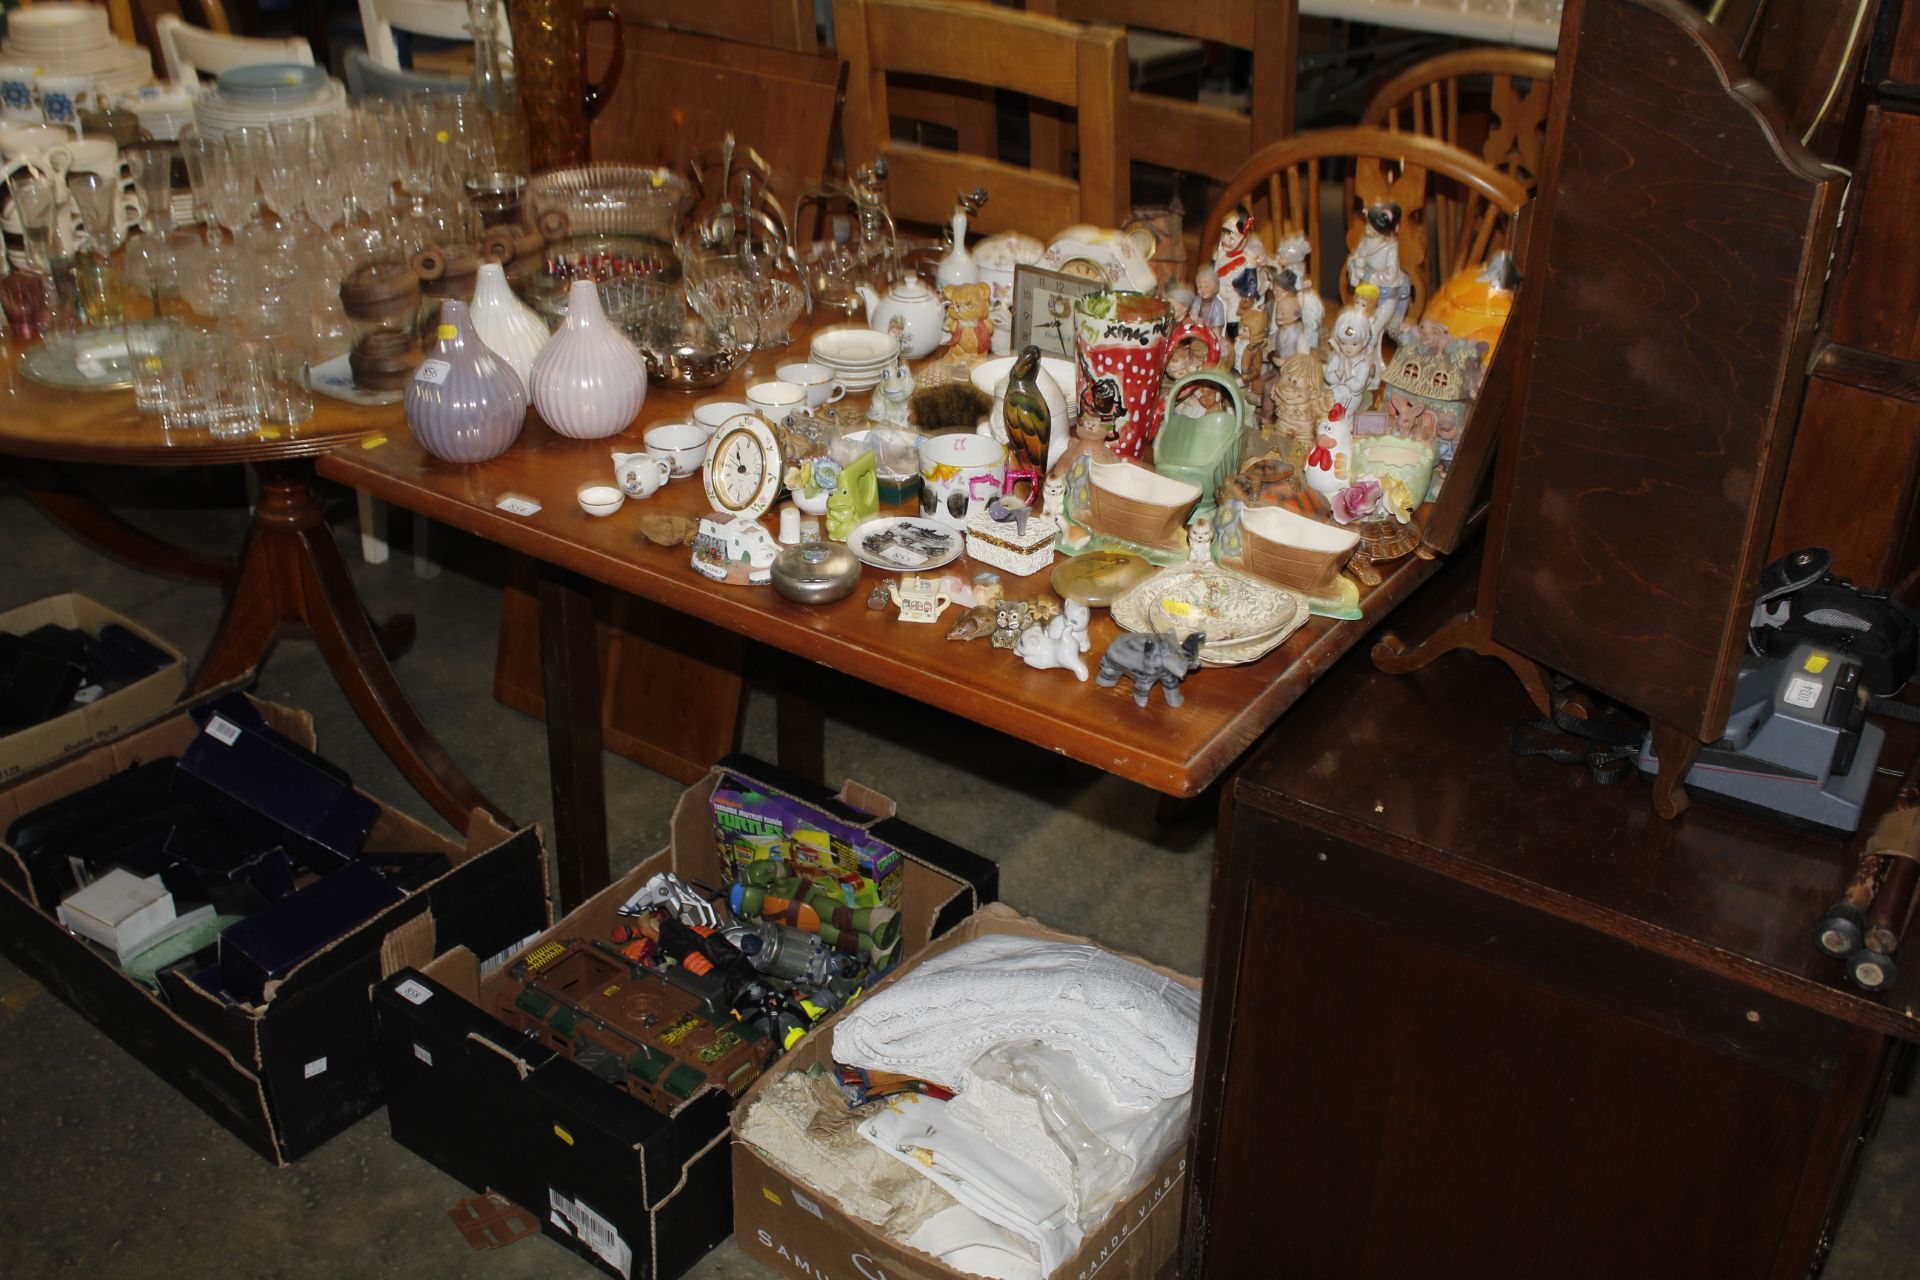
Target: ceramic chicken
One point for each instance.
(1029, 421)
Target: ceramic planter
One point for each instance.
(589, 381)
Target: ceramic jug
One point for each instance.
(590, 380)
(1121, 341)
(550, 67)
(464, 403)
(640, 475)
(511, 329)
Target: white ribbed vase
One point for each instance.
(511, 329)
(589, 381)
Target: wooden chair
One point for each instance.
(191, 52)
(1194, 137)
(1083, 67)
(1282, 184)
(441, 19)
(1506, 92)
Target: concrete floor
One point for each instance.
(106, 1172)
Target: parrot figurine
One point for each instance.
(1029, 421)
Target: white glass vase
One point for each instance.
(589, 381)
(511, 329)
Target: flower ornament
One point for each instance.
(1358, 501)
(1397, 498)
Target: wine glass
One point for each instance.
(286, 165)
(330, 146)
(370, 169)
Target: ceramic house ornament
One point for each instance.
(1428, 391)
(590, 380)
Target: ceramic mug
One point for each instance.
(640, 475)
(682, 444)
(960, 474)
(63, 98)
(815, 379)
(714, 414)
(1121, 340)
(777, 402)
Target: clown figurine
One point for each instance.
(1237, 260)
(1376, 261)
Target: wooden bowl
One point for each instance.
(1139, 504)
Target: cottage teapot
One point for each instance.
(921, 313)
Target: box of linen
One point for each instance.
(1012, 1103)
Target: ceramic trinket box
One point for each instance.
(1018, 547)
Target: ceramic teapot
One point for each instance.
(919, 599)
(919, 309)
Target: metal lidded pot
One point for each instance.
(816, 573)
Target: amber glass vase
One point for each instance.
(550, 65)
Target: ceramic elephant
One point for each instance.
(1150, 658)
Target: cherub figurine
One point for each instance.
(1376, 261)
(1353, 358)
(1237, 260)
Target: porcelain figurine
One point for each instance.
(919, 599)
(590, 380)
(1237, 259)
(1151, 658)
(1058, 644)
(1376, 261)
(1295, 317)
(1028, 419)
(1353, 357)
(1200, 539)
(921, 313)
(1011, 617)
(1250, 351)
(981, 620)
(856, 499)
(1208, 309)
(958, 266)
(1297, 398)
(890, 407)
(969, 321)
(1330, 462)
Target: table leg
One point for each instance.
(64, 502)
(570, 671)
(291, 571)
(800, 721)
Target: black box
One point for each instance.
(610, 1177)
(290, 1073)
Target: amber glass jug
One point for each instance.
(550, 64)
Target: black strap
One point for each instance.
(1583, 728)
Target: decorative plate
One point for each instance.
(904, 543)
(94, 360)
(1228, 607)
(335, 378)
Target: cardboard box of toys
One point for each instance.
(607, 1115)
(281, 1051)
(799, 1231)
(125, 676)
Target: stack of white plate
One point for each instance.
(74, 40)
(856, 355)
(304, 94)
(163, 109)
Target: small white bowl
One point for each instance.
(682, 444)
(714, 414)
(600, 499)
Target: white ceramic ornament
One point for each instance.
(509, 327)
(589, 381)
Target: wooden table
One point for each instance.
(1175, 751)
(289, 570)
(1509, 1021)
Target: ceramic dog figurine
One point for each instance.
(1151, 658)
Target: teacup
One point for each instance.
(62, 98)
(777, 402)
(682, 444)
(641, 474)
(816, 379)
(959, 475)
(714, 414)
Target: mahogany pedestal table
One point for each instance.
(289, 571)
(1176, 751)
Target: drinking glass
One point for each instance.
(286, 165)
(370, 170)
(195, 150)
(198, 355)
(154, 354)
(234, 388)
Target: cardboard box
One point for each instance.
(801, 1233)
(289, 1073)
(108, 717)
(638, 1192)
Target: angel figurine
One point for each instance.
(1376, 261)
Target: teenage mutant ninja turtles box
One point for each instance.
(771, 842)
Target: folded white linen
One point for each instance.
(1131, 1028)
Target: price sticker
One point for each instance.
(514, 504)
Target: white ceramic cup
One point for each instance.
(816, 379)
(682, 444)
(960, 474)
(714, 414)
(777, 402)
(63, 98)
